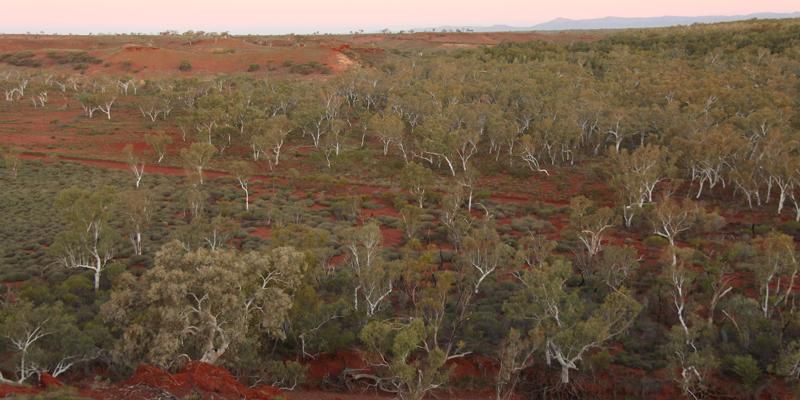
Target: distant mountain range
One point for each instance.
(564, 24)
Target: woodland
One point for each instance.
(607, 218)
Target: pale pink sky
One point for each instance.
(269, 16)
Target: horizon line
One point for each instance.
(252, 31)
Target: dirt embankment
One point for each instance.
(200, 380)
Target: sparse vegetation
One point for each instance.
(185, 66)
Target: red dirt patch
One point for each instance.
(262, 232)
(331, 365)
(210, 382)
(392, 237)
(8, 390)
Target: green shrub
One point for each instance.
(600, 361)
(655, 241)
(72, 57)
(253, 68)
(286, 374)
(745, 368)
(530, 224)
(21, 59)
(185, 66)
(54, 394)
(311, 67)
(790, 228)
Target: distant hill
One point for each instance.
(564, 24)
(561, 24)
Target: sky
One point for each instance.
(306, 16)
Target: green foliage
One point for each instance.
(191, 303)
(745, 368)
(65, 393)
(413, 373)
(308, 68)
(655, 241)
(286, 374)
(185, 66)
(21, 59)
(72, 57)
(40, 338)
(569, 324)
(716, 104)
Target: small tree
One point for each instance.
(485, 253)
(243, 171)
(412, 373)
(416, 179)
(411, 218)
(374, 280)
(88, 240)
(530, 153)
(590, 223)
(40, 339)
(97, 101)
(159, 143)
(617, 264)
(197, 157)
(136, 210)
(534, 250)
(388, 128)
(218, 231)
(515, 354)
(776, 270)
(671, 218)
(635, 176)
(11, 160)
(135, 163)
(569, 325)
(153, 107)
(269, 136)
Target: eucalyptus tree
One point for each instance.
(136, 209)
(202, 304)
(243, 171)
(569, 326)
(197, 157)
(135, 163)
(88, 240)
(159, 142)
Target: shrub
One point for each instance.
(286, 374)
(72, 57)
(185, 66)
(54, 394)
(530, 224)
(655, 241)
(253, 68)
(21, 59)
(311, 67)
(745, 368)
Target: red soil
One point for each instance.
(209, 381)
(392, 237)
(262, 232)
(199, 379)
(331, 365)
(9, 391)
